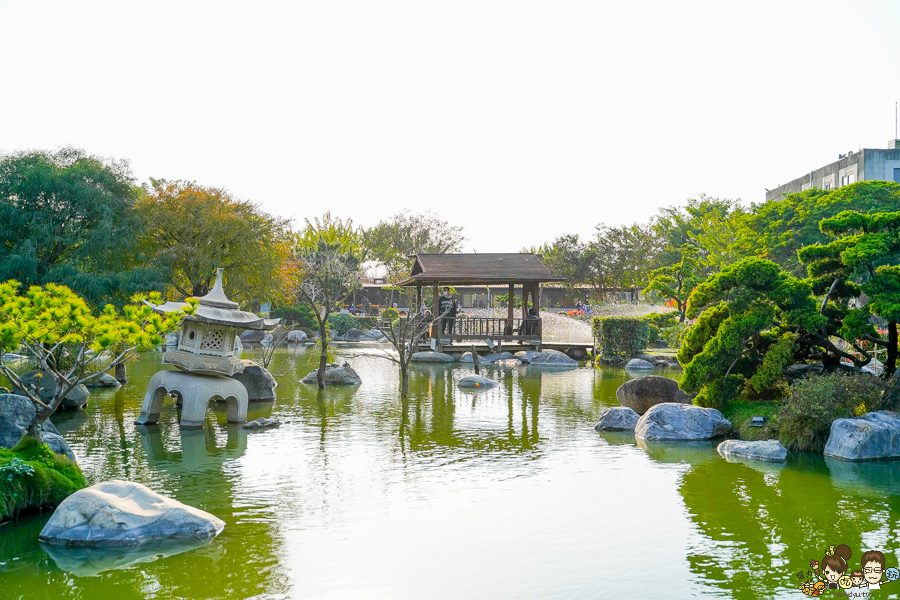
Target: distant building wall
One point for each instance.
(866, 165)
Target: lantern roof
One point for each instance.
(215, 308)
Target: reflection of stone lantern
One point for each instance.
(206, 358)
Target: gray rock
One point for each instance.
(639, 364)
(252, 336)
(873, 436)
(259, 382)
(296, 337)
(432, 357)
(640, 393)
(476, 382)
(16, 413)
(487, 359)
(804, 370)
(104, 381)
(124, 513)
(526, 355)
(617, 418)
(46, 388)
(262, 423)
(553, 358)
(374, 334)
(352, 335)
(769, 450)
(681, 422)
(335, 375)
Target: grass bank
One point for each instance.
(33, 479)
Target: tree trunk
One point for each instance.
(475, 362)
(404, 379)
(890, 364)
(121, 373)
(35, 427)
(323, 359)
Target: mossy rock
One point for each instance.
(34, 479)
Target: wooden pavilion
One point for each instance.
(444, 270)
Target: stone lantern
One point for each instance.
(205, 357)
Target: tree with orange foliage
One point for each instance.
(191, 230)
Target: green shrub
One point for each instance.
(341, 323)
(812, 404)
(300, 315)
(674, 335)
(663, 320)
(621, 336)
(654, 332)
(390, 315)
(33, 478)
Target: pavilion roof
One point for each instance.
(471, 269)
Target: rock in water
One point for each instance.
(259, 382)
(681, 422)
(432, 357)
(262, 423)
(553, 358)
(769, 450)
(104, 381)
(46, 389)
(639, 364)
(16, 413)
(870, 437)
(617, 418)
(640, 393)
(124, 513)
(335, 375)
(253, 336)
(490, 358)
(296, 336)
(526, 355)
(472, 382)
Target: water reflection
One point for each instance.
(90, 562)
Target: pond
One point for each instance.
(505, 493)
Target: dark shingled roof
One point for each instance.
(467, 269)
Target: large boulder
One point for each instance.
(617, 418)
(45, 384)
(553, 358)
(335, 375)
(352, 335)
(525, 356)
(16, 413)
(769, 450)
(104, 381)
(259, 382)
(873, 436)
(253, 336)
(471, 382)
(640, 393)
(432, 357)
(639, 364)
(296, 337)
(681, 422)
(124, 513)
(487, 359)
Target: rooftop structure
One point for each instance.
(865, 165)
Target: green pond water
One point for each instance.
(504, 493)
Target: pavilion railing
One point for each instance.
(475, 328)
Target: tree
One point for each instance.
(193, 230)
(778, 229)
(69, 341)
(677, 281)
(861, 258)
(404, 334)
(567, 257)
(329, 257)
(621, 257)
(68, 218)
(753, 321)
(392, 241)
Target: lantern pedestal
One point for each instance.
(195, 392)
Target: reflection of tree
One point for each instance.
(766, 525)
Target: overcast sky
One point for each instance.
(518, 120)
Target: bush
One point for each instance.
(812, 404)
(33, 478)
(390, 315)
(663, 320)
(674, 335)
(341, 323)
(621, 336)
(654, 332)
(300, 315)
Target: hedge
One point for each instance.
(621, 336)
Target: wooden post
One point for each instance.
(418, 298)
(436, 311)
(475, 362)
(512, 305)
(524, 300)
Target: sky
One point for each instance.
(520, 121)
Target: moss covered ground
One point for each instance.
(739, 412)
(33, 479)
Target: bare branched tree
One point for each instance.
(404, 335)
